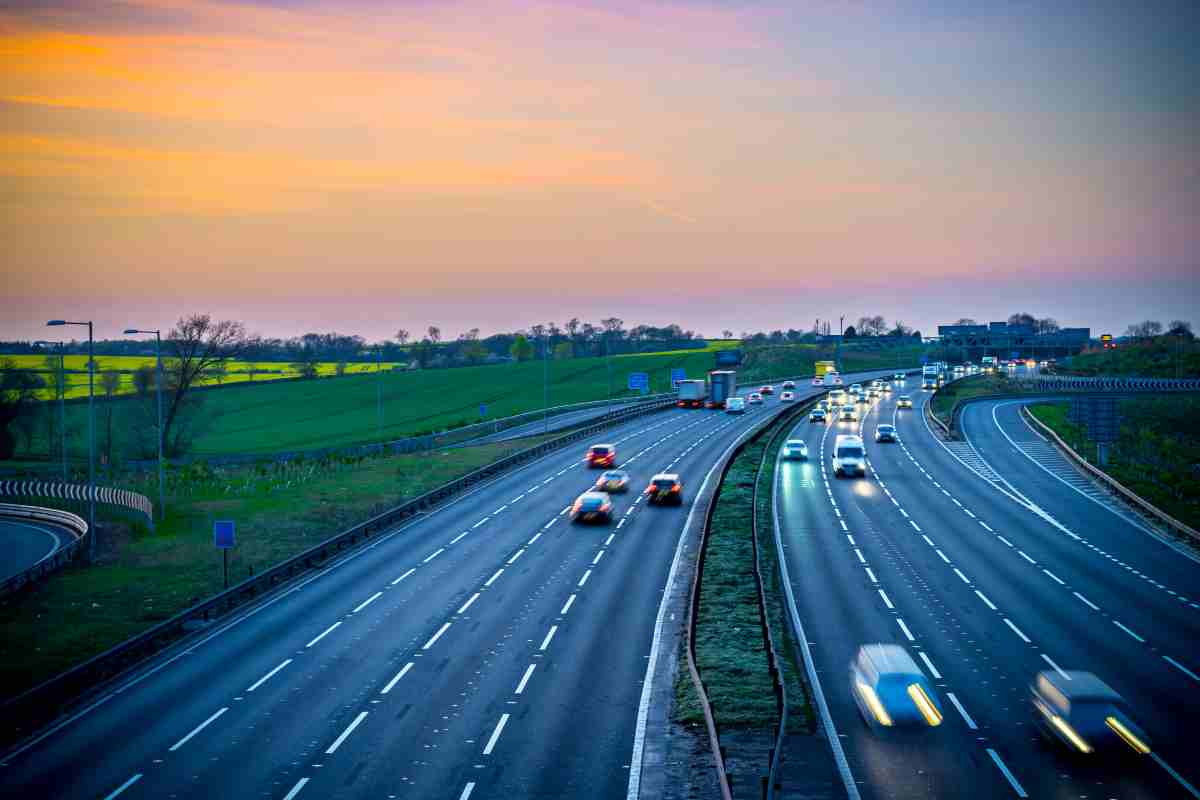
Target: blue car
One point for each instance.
(891, 690)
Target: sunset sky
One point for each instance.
(368, 165)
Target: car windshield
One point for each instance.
(663, 483)
(797, 444)
(886, 429)
(613, 476)
(847, 408)
(600, 451)
(850, 451)
(592, 502)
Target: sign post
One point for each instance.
(223, 536)
(482, 410)
(639, 381)
(678, 374)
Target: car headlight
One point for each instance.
(1127, 735)
(925, 705)
(872, 700)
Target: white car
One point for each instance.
(903, 401)
(735, 405)
(795, 449)
(818, 381)
(787, 397)
(849, 413)
(754, 399)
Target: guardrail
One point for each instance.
(78, 492)
(75, 525)
(24, 712)
(1066, 383)
(1124, 492)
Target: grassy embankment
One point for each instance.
(236, 372)
(1161, 357)
(1157, 454)
(730, 653)
(974, 386)
(144, 578)
(267, 417)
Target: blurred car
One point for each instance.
(849, 413)
(786, 397)
(665, 489)
(816, 415)
(754, 399)
(885, 432)
(903, 401)
(899, 376)
(766, 389)
(837, 397)
(856, 388)
(1043, 364)
(862, 398)
(1085, 714)
(795, 449)
(789, 385)
(818, 381)
(613, 480)
(891, 690)
(874, 392)
(602, 455)
(735, 405)
(592, 507)
(887, 388)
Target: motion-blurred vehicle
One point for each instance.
(613, 481)
(790, 385)
(891, 690)
(928, 384)
(903, 401)
(885, 432)
(849, 456)
(602, 455)
(767, 389)
(754, 399)
(837, 397)
(899, 376)
(816, 415)
(787, 397)
(722, 385)
(795, 450)
(691, 394)
(818, 381)
(862, 398)
(592, 507)
(1085, 715)
(856, 388)
(665, 489)
(735, 405)
(849, 413)
(887, 388)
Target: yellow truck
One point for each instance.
(825, 366)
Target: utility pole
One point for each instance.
(162, 503)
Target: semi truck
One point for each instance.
(692, 394)
(825, 366)
(988, 364)
(721, 385)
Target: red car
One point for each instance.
(602, 455)
(768, 389)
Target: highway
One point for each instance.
(489, 648)
(988, 568)
(23, 544)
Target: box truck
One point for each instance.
(692, 394)
(721, 386)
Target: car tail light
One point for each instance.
(675, 488)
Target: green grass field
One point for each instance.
(269, 417)
(237, 371)
(1161, 357)
(1156, 454)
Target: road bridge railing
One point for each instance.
(72, 524)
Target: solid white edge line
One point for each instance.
(396, 678)
(966, 717)
(323, 634)
(196, 730)
(300, 784)
(268, 676)
(1004, 770)
(1056, 667)
(937, 676)
(137, 777)
(346, 733)
(904, 628)
(491, 743)
(367, 602)
(525, 679)
(433, 639)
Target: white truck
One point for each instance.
(691, 394)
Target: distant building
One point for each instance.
(1012, 341)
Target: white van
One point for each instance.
(849, 456)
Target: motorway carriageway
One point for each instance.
(988, 570)
(23, 544)
(489, 648)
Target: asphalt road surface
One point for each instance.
(988, 567)
(23, 544)
(489, 649)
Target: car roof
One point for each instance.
(1079, 687)
(888, 659)
(885, 425)
(665, 476)
(593, 496)
(614, 472)
(605, 444)
(796, 441)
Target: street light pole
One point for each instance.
(158, 390)
(54, 323)
(837, 354)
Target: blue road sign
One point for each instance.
(223, 533)
(639, 380)
(1016, 354)
(483, 409)
(678, 374)
(924, 359)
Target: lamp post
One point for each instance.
(62, 401)
(158, 390)
(837, 353)
(54, 323)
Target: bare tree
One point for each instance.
(966, 321)
(197, 344)
(402, 336)
(1046, 325)
(1179, 327)
(871, 326)
(1145, 329)
(726, 334)
(435, 334)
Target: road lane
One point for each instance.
(23, 544)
